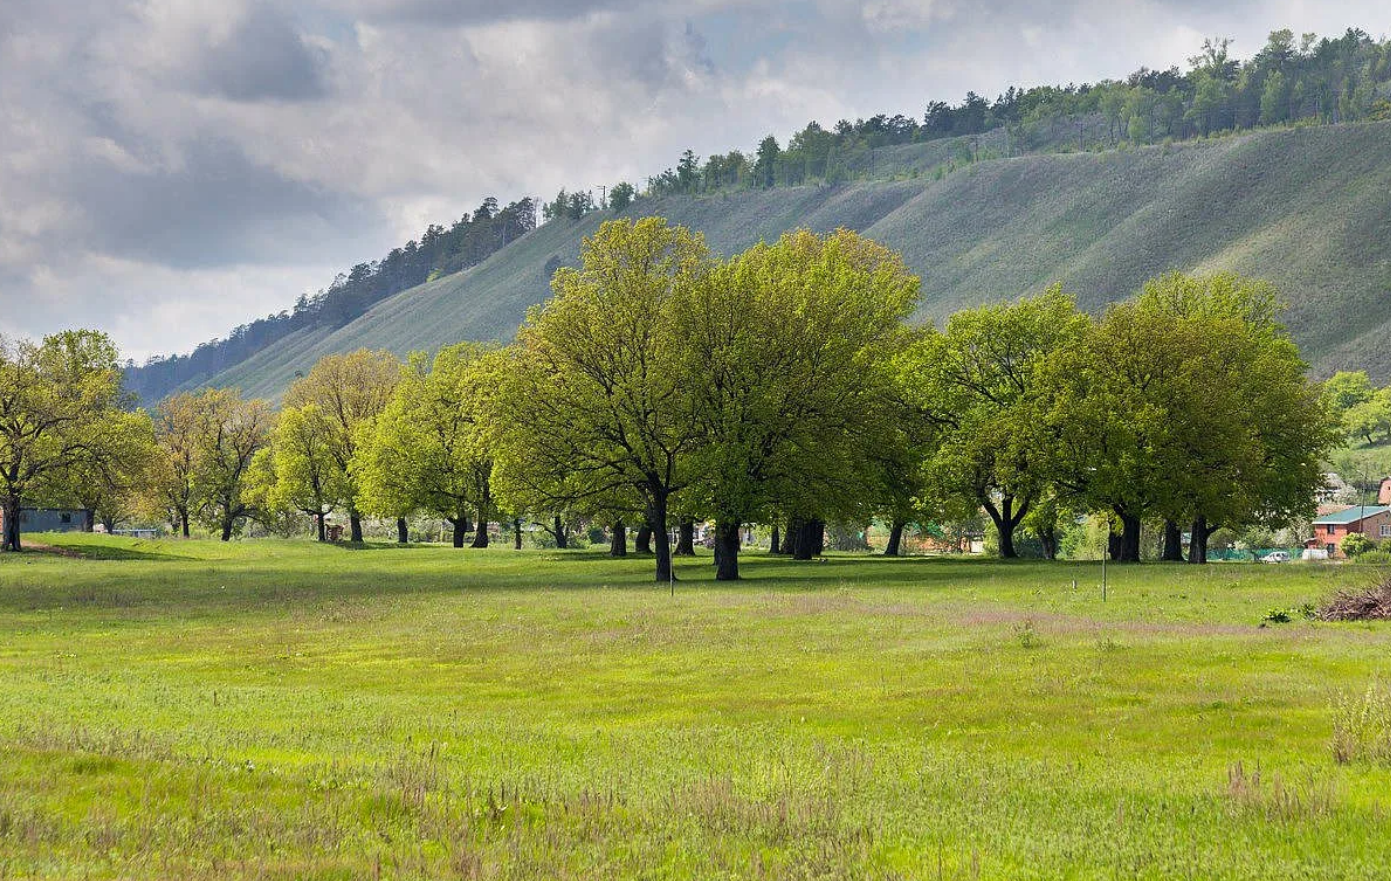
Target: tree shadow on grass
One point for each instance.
(101, 552)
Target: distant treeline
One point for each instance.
(1290, 80)
(439, 251)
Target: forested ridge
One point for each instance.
(1290, 81)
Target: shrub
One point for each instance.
(1285, 616)
(1378, 557)
(1362, 727)
(1026, 634)
(1357, 544)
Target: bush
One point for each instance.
(1357, 544)
(1285, 616)
(1379, 557)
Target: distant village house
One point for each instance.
(1330, 530)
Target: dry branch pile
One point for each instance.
(1367, 604)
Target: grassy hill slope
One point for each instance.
(1309, 209)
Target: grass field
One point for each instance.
(285, 710)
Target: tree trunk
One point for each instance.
(11, 518)
(796, 544)
(403, 532)
(807, 537)
(1197, 543)
(183, 523)
(517, 533)
(1006, 520)
(1128, 549)
(458, 524)
(1173, 543)
(321, 527)
(642, 543)
(355, 525)
(89, 520)
(1048, 538)
(657, 528)
(618, 540)
(685, 539)
(726, 551)
(773, 542)
(895, 539)
(562, 541)
(108, 524)
(480, 535)
(227, 524)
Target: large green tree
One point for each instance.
(1189, 405)
(230, 431)
(349, 390)
(106, 481)
(304, 472)
(787, 352)
(593, 400)
(58, 398)
(1254, 430)
(979, 383)
(429, 449)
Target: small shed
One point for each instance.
(48, 520)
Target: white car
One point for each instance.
(1276, 557)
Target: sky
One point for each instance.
(172, 168)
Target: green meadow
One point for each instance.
(269, 709)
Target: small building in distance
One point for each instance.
(1335, 491)
(1330, 530)
(48, 520)
(1384, 494)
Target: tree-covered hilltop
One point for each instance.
(469, 241)
(1303, 80)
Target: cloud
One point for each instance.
(454, 13)
(262, 58)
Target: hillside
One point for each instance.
(1308, 209)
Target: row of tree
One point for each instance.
(661, 386)
(440, 251)
(783, 386)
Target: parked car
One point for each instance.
(1276, 557)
